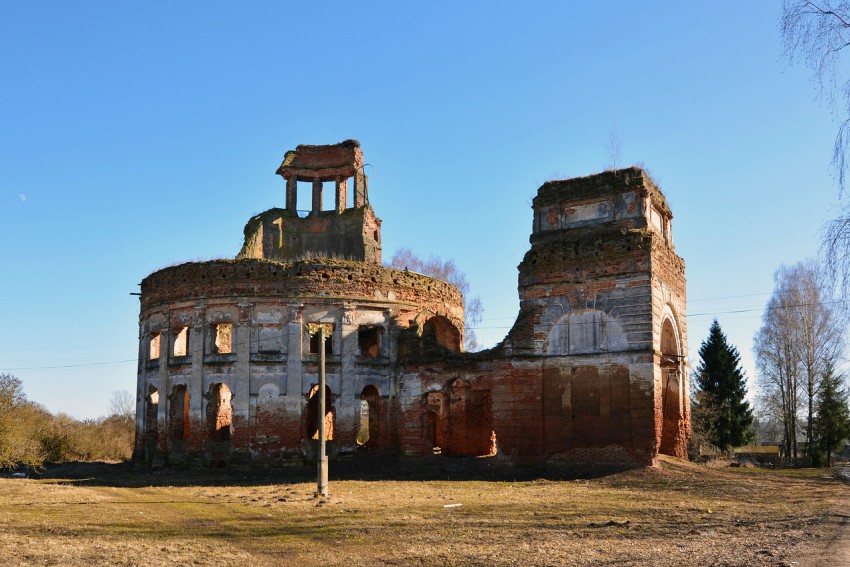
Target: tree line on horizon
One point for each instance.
(31, 436)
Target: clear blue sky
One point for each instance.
(137, 136)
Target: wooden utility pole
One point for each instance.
(323, 330)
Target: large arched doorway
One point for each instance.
(312, 428)
(673, 437)
(219, 423)
(178, 414)
(151, 418)
(470, 431)
(369, 432)
(220, 413)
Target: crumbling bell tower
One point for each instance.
(343, 233)
(594, 369)
(604, 292)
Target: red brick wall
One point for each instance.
(535, 409)
(346, 281)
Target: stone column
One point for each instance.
(361, 193)
(294, 395)
(292, 194)
(241, 390)
(164, 388)
(341, 194)
(195, 384)
(348, 407)
(317, 196)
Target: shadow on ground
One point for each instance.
(360, 467)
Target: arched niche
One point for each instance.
(586, 331)
(268, 412)
(440, 330)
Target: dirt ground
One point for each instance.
(436, 512)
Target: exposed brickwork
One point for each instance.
(325, 162)
(593, 370)
(335, 279)
(278, 234)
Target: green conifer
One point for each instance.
(832, 424)
(726, 415)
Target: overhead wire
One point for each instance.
(550, 325)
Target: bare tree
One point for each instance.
(614, 148)
(817, 32)
(800, 333)
(122, 404)
(777, 361)
(447, 271)
(819, 329)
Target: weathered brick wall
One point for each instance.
(587, 374)
(308, 162)
(269, 370)
(603, 269)
(528, 408)
(331, 279)
(673, 416)
(278, 234)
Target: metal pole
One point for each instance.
(323, 458)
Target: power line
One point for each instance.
(254, 340)
(707, 313)
(72, 365)
(728, 297)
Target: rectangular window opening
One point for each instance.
(314, 344)
(153, 353)
(369, 339)
(304, 192)
(222, 342)
(181, 342)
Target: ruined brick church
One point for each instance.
(594, 369)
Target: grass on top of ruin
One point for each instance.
(678, 513)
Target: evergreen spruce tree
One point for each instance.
(726, 416)
(832, 424)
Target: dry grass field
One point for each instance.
(677, 514)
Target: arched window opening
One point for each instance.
(313, 414)
(368, 435)
(178, 418)
(220, 412)
(443, 332)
